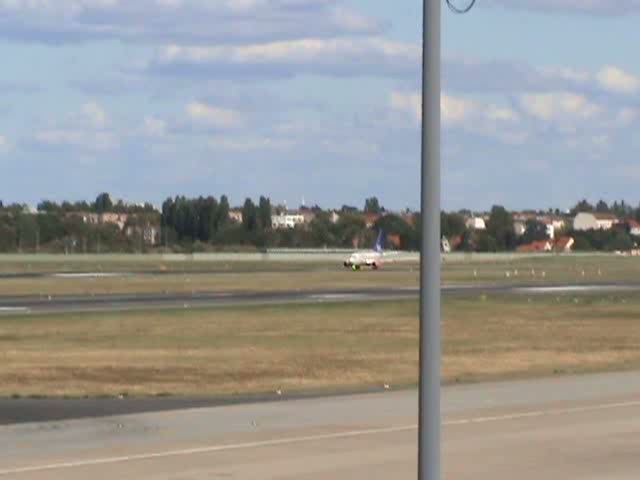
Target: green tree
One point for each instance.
(249, 216)
(103, 203)
(264, 214)
(500, 228)
(372, 205)
(534, 232)
(602, 207)
(452, 224)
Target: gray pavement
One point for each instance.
(44, 304)
(563, 428)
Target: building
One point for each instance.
(564, 244)
(536, 247)
(286, 220)
(110, 218)
(634, 227)
(476, 223)
(519, 227)
(235, 215)
(150, 233)
(370, 219)
(594, 221)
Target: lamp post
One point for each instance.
(429, 467)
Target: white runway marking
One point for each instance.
(13, 309)
(311, 438)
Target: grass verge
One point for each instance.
(244, 350)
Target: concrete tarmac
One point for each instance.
(567, 428)
(44, 304)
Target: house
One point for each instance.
(594, 221)
(284, 220)
(334, 217)
(536, 247)
(110, 218)
(370, 219)
(476, 223)
(150, 233)
(564, 244)
(519, 227)
(235, 215)
(634, 227)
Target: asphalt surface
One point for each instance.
(562, 428)
(99, 303)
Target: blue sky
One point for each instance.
(317, 99)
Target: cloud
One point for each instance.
(559, 106)
(85, 130)
(154, 127)
(335, 56)
(617, 80)
(250, 144)
(472, 115)
(5, 145)
(212, 116)
(194, 21)
(95, 114)
(592, 7)
(79, 139)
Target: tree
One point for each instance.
(371, 205)
(500, 228)
(534, 232)
(264, 214)
(249, 216)
(103, 203)
(222, 215)
(452, 224)
(348, 209)
(582, 206)
(602, 207)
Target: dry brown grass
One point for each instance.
(261, 349)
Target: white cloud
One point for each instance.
(617, 80)
(213, 116)
(558, 105)
(594, 7)
(5, 145)
(189, 20)
(249, 144)
(154, 127)
(338, 56)
(81, 139)
(95, 114)
(472, 115)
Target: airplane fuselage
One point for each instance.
(369, 258)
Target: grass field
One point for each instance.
(243, 350)
(300, 275)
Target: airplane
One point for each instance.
(367, 258)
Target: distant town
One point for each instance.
(205, 224)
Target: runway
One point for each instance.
(562, 428)
(99, 303)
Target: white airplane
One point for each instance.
(367, 258)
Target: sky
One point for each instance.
(317, 100)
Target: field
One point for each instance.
(234, 275)
(320, 347)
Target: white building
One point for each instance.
(286, 221)
(476, 223)
(594, 221)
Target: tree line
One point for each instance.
(208, 223)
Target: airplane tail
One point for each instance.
(380, 242)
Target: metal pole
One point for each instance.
(430, 347)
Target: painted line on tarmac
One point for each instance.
(14, 309)
(308, 439)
